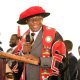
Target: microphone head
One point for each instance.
(27, 38)
(32, 34)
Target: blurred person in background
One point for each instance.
(78, 65)
(71, 62)
(16, 67)
(5, 71)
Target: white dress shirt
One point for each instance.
(36, 33)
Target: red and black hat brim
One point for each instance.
(24, 20)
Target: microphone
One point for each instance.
(28, 38)
(26, 46)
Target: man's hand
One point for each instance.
(26, 48)
(31, 57)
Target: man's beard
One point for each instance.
(12, 45)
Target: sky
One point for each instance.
(65, 17)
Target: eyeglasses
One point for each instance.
(35, 19)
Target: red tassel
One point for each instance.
(18, 32)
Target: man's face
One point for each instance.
(35, 23)
(13, 41)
